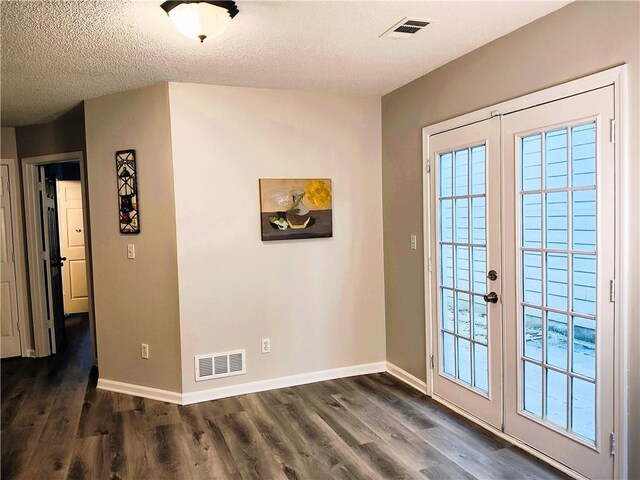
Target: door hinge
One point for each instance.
(40, 186)
(430, 264)
(613, 131)
(612, 443)
(49, 323)
(428, 167)
(43, 255)
(431, 362)
(612, 291)
(13, 257)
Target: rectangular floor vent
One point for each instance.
(217, 365)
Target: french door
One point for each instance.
(522, 214)
(559, 190)
(466, 222)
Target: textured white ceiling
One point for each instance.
(57, 53)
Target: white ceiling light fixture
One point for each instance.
(200, 19)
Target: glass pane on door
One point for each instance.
(462, 269)
(558, 254)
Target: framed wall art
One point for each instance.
(127, 191)
(295, 208)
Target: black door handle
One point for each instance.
(59, 263)
(491, 297)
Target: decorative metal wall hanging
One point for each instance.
(127, 191)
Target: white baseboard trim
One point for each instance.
(241, 389)
(140, 391)
(282, 382)
(407, 378)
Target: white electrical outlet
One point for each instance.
(414, 242)
(266, 345)
(131, 251)
(144, 350)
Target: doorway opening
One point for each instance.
(57, 227)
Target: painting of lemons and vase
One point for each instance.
(295, 208)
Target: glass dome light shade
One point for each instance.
(200, 20)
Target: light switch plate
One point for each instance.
(131, 251)
(414, 242)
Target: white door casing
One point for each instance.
(74, 273)
(8, 285)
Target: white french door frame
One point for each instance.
(34, 245)
(616, 76)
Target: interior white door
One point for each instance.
(8, 290)
(53, 261)
(558, 213)
(466, 273)
(74, 275)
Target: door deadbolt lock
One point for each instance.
(492, 275)
(491, 297)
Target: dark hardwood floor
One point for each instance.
(56, 424)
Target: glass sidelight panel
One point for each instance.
(583, 349)
(447, 310)
(446, 254)
(533, 333)
(463, 267)
(555, 159)
(446, 174)
(461, 172)
(558, 274)
(532, 220)
(531, 162)
(532, 387)
(557, 335)
(480, 365)
(583, 411)
(556, 398)
(463, 317)
(556, 220)
(448, 354)
(462, 220)
(532, 273)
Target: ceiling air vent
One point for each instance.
(217, 365)
(405, 28)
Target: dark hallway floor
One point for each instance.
(56, 424)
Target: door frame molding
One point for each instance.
(36, 276)
(616, 76)
(15, 196)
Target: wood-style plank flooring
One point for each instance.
(56, 424)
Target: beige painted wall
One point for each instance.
(136, 301)
(49, 138)
(320, 301)
(8, 143)
(582, 38)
